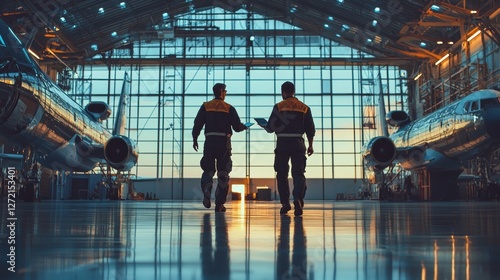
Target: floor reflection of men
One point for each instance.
(215, 263)
(299, 253)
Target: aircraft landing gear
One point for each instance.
(31, 192)
(31, 173)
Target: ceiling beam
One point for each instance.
(269, 62)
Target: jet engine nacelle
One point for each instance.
(121, 152)
(411, 159)
(397, 118)
(99, 110)
(379, 153)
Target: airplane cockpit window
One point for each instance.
(474, 106)
(467, 107)
(489, 102)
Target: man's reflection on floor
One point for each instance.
(215, 263)
(299, 253)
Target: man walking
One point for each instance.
(218, 117)
(290, 119)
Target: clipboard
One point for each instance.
(261, 121)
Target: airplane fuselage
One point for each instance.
(36, 114)
(460, 131)
(47, 119)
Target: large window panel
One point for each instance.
(343, 134)
(262, 172)
(262, 159)
(345, 147)
(344, 159)
(327, 173)
(167, 94)
(314, 172)
(268, 87)
(198, 87)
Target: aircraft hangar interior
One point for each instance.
(99, 102)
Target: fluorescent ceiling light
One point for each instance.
(442, 58)
(474, 35)
(33, 54)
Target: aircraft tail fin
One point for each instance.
(382, 123)
(121, 116)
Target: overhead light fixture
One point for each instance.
(442, 58)
(473, 35)
(473, 12)
(114, 34)
(435, 8)
(101, 10)
(123, 5)
(376, 10)
(423, 44)
(439, 42)
(450, 43)
(250, 40)
(418, 76)
(33, 54)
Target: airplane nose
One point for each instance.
(492, 121)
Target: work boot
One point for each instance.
(299, 204)
(206, 198)
(285, 208)
(220, 208)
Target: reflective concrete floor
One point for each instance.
(182, 240)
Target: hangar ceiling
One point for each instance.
(415, 29)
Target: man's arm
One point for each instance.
(271, 122)
(310, 130)
(310, 149)
(199, 122)
(236, 121)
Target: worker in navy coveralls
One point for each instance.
(290, 119)
(218, 117)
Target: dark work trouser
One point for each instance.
(216, 152)
(290, 150)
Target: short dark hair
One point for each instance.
(217, 89)
(288, 88)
